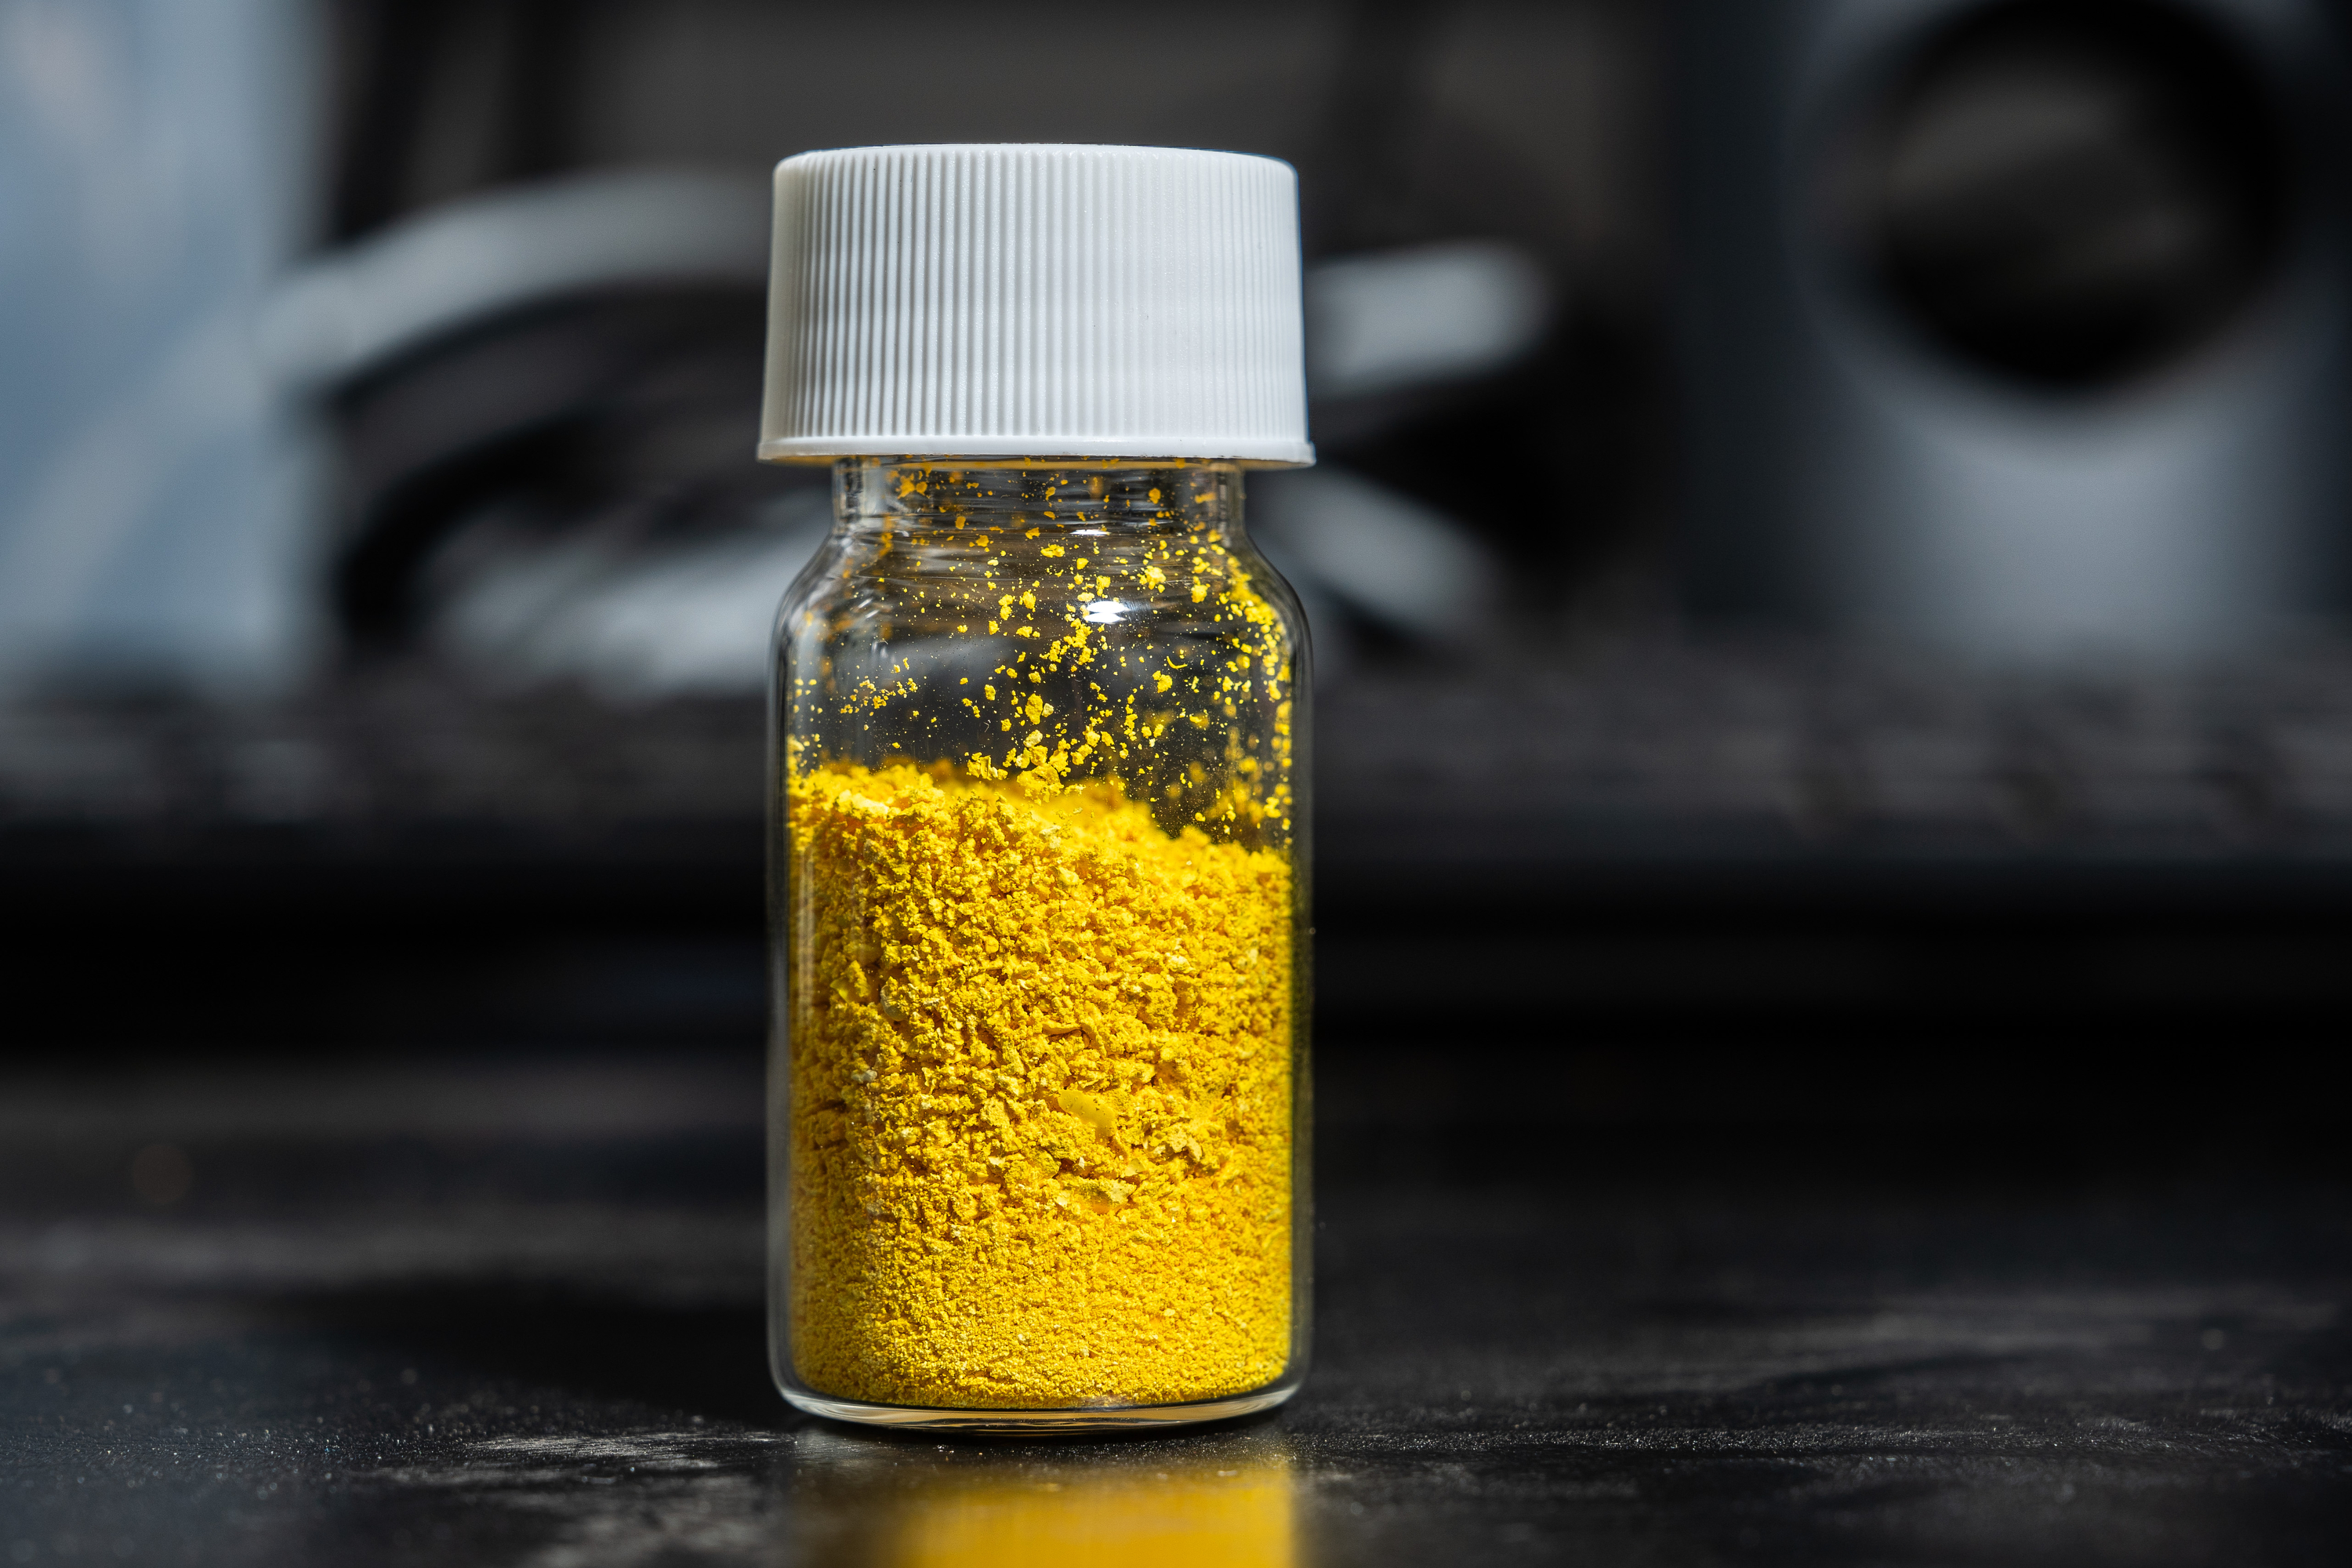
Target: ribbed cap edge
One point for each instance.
(1035, 301)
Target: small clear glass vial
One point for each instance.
(1039, 847)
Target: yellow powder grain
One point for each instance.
(1041, 1097)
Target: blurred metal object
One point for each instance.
(453, 266)
(2071, 195)
(578, 359)
(1405, 566)
(1398, 340)
(173, 536)
(155, 493)
(2017, 330)
(1424, 315)
(629, 619)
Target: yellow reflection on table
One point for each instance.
(1225, 1504)
(1188, 1516)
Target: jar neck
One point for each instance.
(1075, 495)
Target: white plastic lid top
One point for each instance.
(1035, 301)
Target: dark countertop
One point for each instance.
(509, 1312)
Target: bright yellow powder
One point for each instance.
(1041, 1115)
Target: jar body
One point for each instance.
(1038, 891)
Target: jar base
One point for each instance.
(1037, 1423)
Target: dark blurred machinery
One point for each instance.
(549, 483)
(1669, 868)
(2016, 329)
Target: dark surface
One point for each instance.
(508, 1311)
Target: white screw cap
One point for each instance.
(1035, 301)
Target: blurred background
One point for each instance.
(1830, 561)
(1832, 570)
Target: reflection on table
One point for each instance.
(1225, 1499)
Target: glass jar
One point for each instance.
(1039, 888)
